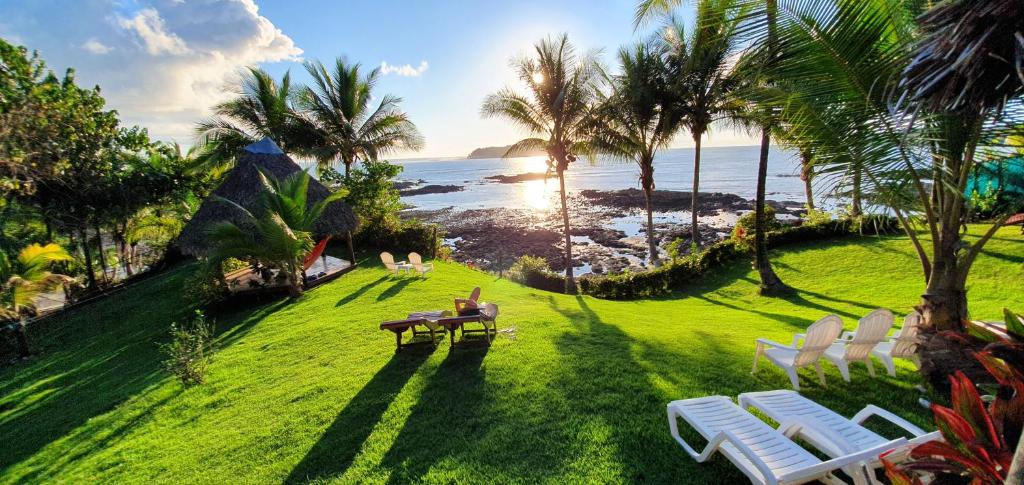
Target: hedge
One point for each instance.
(678, 274)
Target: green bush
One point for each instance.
(682, 271)
(402, 237)
(207, 286)
(533, 271)
(190, 350)
(745, 224)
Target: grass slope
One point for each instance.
(311, 390)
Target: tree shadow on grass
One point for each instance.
(616, 408)
(394, 289)
(448, 417)
(341, 442)
(791, 320)
(361, 291)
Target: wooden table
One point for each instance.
(427, 319)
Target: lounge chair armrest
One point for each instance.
(840, 462)
(716, 442)
(848, 335)
(772, 343)
(797, 338)
(872, 410)
(818, 432)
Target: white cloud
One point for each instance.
(404, 71)
(150, 28)
(96, 47)
(166, 63)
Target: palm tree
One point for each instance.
(639, 117)
(559, 107)
(281, 233)
(348, 127)
(262, 108)
(751, 23)
(703, 76)
(24, 278)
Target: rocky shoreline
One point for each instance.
(608, 227)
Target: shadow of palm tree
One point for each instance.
(361, 291)
(341, 442)
(451, 405)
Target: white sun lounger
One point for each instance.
(845, 435)
(764, 454)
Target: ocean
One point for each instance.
(723, 169)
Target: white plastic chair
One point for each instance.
(820, 335)
(788, 406)
(902, 344)
(390, 264)
(857, 346)
(762, 453)
(416, 261)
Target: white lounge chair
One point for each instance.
(842, 436)
(416, 261)
(762, 453)
(857, 346)
(391, 265)
(820, 335)
(902, 344)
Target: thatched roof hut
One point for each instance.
(242, 185)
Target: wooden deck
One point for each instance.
(328, 268)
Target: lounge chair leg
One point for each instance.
(757, 356)
(793, 378)
(916, 360)
(871, 368)
(398, 341)
(821, 374)
(844, 369)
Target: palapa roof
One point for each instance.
(242, 185)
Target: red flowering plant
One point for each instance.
(979, 437)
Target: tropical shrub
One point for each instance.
(372, 194)
(402, 237)
(745, 224)
(533, 271)
(978, 438)
(190, 350)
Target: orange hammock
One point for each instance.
(315, 254)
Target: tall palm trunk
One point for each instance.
(855, 208)
(694, 237)
(570, 282)
(770, 282)
(807, 175)
(99, 246)
(90, 275)
(648, 186)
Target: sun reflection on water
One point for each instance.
(537, 194)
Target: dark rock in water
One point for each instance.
(512, 179)
(430, 189)
(407, 184)
(667, 200)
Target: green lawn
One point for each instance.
(575, 390)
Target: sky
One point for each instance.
(163, 63)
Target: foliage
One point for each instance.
(372, 194)
(978, 439)
(346, 127)
(190, 351)
(24, 277)
(279, 235)
(745, 224)
(403, 236)
(206, 285)
(533, 271)
(261, 108)
(814, 216)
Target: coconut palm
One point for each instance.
(559, 107)
(639, 117)
(24, 278)
(261, 108)
(701, 64)
(348, 128)
(280, 235)
(760, 15)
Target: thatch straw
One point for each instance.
(243, 186)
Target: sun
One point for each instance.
(538, 77)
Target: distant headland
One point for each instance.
(498, 152)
